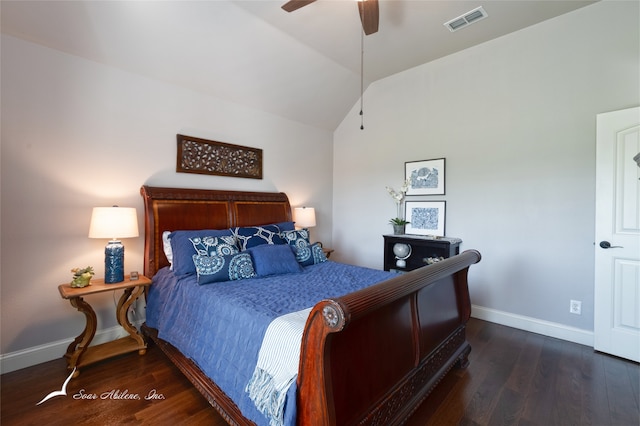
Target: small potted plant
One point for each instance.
(82, 277)
(398, 225)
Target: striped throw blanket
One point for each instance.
(277, 365)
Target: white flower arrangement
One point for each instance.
(398, 196)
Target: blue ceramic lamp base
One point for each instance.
(113, 262)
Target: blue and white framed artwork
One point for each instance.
(425, 218)
(425, 177)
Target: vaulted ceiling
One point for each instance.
(304, 65)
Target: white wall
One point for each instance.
(515, 120)
(77, 134)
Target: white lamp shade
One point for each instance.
(113, 222)
(304, 217)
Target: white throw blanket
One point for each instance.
(277, 365)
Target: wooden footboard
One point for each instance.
(371, 357)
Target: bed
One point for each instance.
(369, 356)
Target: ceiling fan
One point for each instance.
(368, 12)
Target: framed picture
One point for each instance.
(425, 217)
(425, 177)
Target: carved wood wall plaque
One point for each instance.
(207, 157)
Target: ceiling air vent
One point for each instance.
(468, 18)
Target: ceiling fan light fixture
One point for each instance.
(466, 19)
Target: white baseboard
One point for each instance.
(50, 351)
(534, 325)
(38, 354)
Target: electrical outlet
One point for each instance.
(575, 307)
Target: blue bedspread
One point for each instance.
(221, 326)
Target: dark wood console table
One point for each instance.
(424, 250)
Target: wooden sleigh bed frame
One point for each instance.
(369, 357)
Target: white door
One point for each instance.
(617, 247)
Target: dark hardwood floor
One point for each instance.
(515, 378)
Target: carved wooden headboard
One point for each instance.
(172, 209)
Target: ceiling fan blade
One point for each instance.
(369, 15)
(292, 5)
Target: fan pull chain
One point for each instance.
(361, 79)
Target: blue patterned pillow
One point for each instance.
(183, 249)
(230, 267)
(270, 259)
(306, 253)
(296, 239)
(251, 236)
(310, 255)
(214, 246)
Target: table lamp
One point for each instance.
(304, 217)
(113, 222)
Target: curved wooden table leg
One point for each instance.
(126, 300)
(81, 343)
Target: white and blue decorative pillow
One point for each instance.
(214, 246)
(166, 247)
(183, 248)
(228, 267)
(271, 259)
(306, 253)
(251, 236)
(297, 239)
(310, 255)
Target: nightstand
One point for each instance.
(327, 251)
(79, 353)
